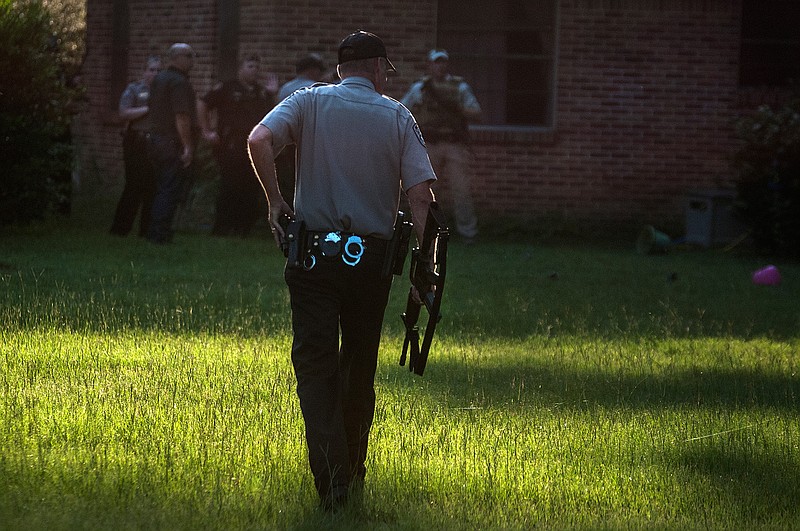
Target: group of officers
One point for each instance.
(158, 150)
(443, 105)
(354, 151)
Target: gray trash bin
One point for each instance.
(709, 218)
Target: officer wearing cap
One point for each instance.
(357, 149)
(443, 105)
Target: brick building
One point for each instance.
(602, 111)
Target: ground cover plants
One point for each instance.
(571, 386)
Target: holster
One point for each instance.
(292, 243)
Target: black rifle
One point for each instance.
(427, 274)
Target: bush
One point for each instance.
(35, 111)
(769, 177)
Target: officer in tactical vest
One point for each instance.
(443, 106)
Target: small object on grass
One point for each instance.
(651, 241)
(767, 276)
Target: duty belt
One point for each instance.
(332, 244)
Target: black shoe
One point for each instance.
(334, 504)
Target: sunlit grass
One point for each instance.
(145, 387)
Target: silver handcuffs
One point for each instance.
(353, 249)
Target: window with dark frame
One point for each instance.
(770, 49)
(505, 50)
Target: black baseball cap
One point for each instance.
(363, 45)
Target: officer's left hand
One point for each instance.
(416, 296)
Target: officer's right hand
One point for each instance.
(276, 213)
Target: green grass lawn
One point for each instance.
(570, 386)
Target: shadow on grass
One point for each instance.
(512, 291)
(91, 281)
(764, 488)
(759, 477)
(529, 384)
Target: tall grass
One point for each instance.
(570, 387)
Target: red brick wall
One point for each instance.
(646, 91)
(154, 26)
(645, 99)
(277, 30)
(646, 95)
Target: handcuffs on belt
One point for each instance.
(329, 245)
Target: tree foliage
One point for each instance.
(769, 177)
(41, 47)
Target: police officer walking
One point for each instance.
(356, 150)
(238, 104)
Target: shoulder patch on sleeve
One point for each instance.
(418, 132)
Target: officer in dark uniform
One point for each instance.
(356, 151)
(172, 143)
(237, 104)
(140, 183)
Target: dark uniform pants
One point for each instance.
(171, 181)
(140, 186)
(335, 383)
(240, 201)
